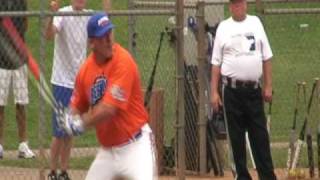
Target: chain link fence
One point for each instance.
(31, 24)
(145, 44)
(294, 35)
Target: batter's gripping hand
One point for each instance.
(71, 124)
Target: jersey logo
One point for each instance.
(252, 40)
(98, 89)
(117, 93)
(103, 21)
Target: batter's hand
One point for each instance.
(54, 5)
(216, 102)
(267, 94)
(71, 124)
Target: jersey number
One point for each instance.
(253, 43)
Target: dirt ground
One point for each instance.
(8, 173)
(281, 174)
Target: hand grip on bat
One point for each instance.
(71, 124)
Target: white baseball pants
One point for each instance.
(132, 161)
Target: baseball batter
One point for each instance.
(241, 57)
(108, 96)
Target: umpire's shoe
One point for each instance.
(64, 176)
(52, 176)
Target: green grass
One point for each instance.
(23, 163)
(296, 58)
(76, 163)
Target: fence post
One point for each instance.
(180, 91)
(202, 121)
(156, 122)
(42, 118)
(131, 30)
(107, 4)
(259, 8)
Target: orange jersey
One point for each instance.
(117, 83)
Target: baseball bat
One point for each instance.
(318, 146)
(310, 152)
(153, 73)
(309, 140)
(212, 142)
(32, 64)
(303, 130)
(292, 138)
(269, 117)
(250, 151)
(318, 130)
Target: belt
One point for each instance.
(235, 83)
(134, 138)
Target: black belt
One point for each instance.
(134, 138)
(138, 135)
(235, 83)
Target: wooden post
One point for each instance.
(156, 122)
(180, 113)
(259, 8)
(107, 5)
(131, 30)
(202, 121)
(42, 118)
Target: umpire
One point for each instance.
(241, 58)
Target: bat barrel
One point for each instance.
(318, 148)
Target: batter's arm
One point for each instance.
(98, 113)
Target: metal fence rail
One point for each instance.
(111, 13)
(282, 11)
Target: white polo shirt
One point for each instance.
(240, 47)
(70, 48)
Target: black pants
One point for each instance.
(244, 111)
